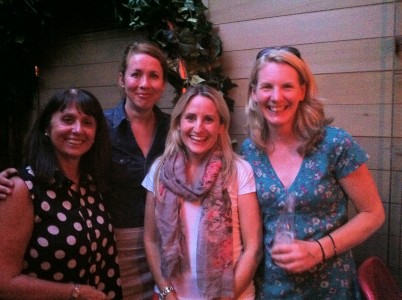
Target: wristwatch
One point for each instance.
(75, 292)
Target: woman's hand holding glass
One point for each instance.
(296, 257)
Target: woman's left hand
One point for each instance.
(296, 257)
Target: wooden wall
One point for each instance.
(350, 46)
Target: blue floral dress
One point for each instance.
(320, 207)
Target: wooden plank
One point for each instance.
(397, 126)
(377, 244)
(238, 121)
(91, 52)
(396, 152)
(91, 36)
(398, 58)
(356, 88)
(166, 102)
(394, 258)
(342, 88)
(104, 74)
(108, 96)
(226, 11)
(396, 187)
(379, 151)
(239, 93)
(395, 219)
(398, 17)
(351, 56)
(336, 25)
(323, 58)
(398, 87)
(382, 180)
(362, 120)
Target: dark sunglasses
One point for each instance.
(292, 50)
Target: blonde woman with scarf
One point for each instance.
(203, 232)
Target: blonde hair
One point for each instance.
(174, 143)
(310, 117)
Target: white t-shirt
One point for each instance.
(186, 285)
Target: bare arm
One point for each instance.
(152, 248)
(16, 223)
(251, 234)
(6, 184)
(362, 191)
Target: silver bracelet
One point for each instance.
(166, 291)
(75, 292)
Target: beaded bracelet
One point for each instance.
(333, 243)
(166, 291)
(322, 250)
(75, 292)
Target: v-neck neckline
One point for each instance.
(288, 188)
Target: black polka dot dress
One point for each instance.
(72, 239)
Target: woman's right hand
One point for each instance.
(6, 185)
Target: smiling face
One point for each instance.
(200, 127)
(71, 132)
(278, 93)
(143, 82)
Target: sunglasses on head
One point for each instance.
(292, 50)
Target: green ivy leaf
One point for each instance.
(195, 79)
(182, 30)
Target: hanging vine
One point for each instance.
(182, 30)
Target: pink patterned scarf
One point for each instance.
(215, 240)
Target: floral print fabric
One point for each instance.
(215, 237)
(320, 208)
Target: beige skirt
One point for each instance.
(136, 279)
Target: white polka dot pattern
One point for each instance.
(72, 239)
(53, 230)
(62, 217)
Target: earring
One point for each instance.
(46, 133)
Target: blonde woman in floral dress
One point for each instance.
(293, 151)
